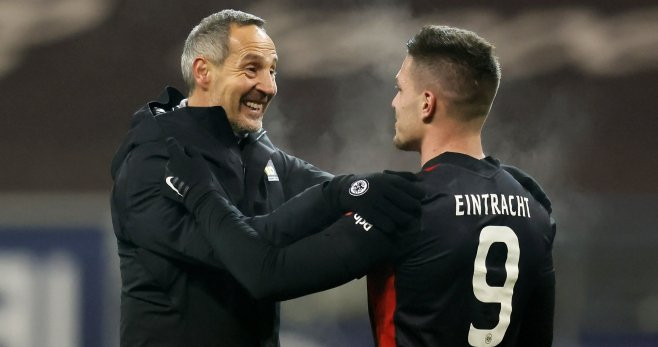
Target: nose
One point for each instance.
(266, 84)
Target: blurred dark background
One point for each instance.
(576, 109)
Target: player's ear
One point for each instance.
(428, 106)
(201, 70)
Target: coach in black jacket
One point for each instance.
(175, 291)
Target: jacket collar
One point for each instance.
(207, 129)
(167, 100)
(212, 119)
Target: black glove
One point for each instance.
(388, 200)
(530, 185)
(188, 176)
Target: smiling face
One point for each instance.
(407, 105)
(244, 84)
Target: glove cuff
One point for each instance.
(331, 190)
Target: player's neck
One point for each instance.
(436, 144)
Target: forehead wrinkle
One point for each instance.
(245, 46)
(248, 56)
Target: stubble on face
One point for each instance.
(403, 142)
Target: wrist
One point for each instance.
(331, 191)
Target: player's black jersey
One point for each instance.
(480, 272)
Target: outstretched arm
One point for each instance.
(344, 251)
(389, 200)
(287, 224)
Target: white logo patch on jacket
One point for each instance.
(270, 171)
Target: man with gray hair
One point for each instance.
(175, 290)
(215, 77)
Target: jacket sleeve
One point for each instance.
(344, 251)
(299, 175)
(304, 214)
(537, 326)
(148, 219)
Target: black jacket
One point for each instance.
(175, 291)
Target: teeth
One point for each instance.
(253, 105)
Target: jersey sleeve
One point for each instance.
(342, 252)
(537, 324)
(530, 184)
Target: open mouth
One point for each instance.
(254, 106)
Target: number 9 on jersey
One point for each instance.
(488, 294)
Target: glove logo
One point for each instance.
(359, 187)
(171, 184)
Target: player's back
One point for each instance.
(480, 272)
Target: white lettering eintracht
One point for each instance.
(479, 204)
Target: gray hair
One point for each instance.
(209, 39)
